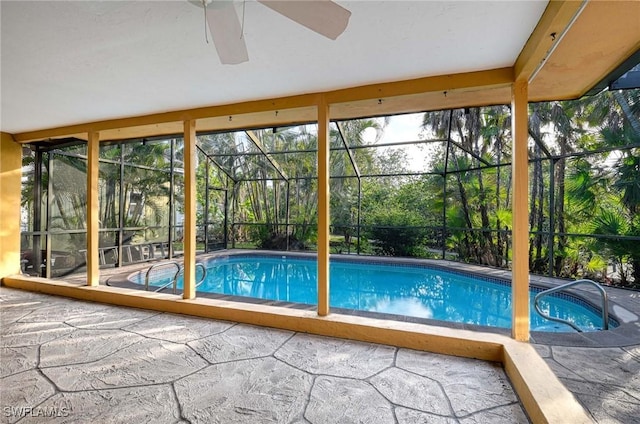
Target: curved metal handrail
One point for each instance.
(605, 304)
(204, 273)
(159, 264)
(159, 289)
(174, 280)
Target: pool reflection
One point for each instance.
(402, 290)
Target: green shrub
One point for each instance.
(397, 233)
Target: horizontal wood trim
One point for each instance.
(168, 122)
(606, 34)
(423, 102)
(468, 80)
(554, 20)
(148, 121)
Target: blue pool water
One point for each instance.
(415, 291)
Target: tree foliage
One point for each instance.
(584, 194)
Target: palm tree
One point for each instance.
(346, 188)
(476, 140)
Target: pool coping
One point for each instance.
(620, 300)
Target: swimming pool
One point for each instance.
(392, 288)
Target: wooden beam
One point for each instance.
(551, 26)
(422, 102)
(256, 106)
(463, 81)
(605, 36)
(93, 209)
(189, 229)
(520, 212)
(10, 193)
(323, 207)
(489, 79)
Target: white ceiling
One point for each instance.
(68, 62)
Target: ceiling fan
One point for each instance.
(322, 16)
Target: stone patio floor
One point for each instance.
(64, 360)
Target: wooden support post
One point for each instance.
(323, 208)
(189, 230)
(10, 178)
(93, 209)
(520, 226)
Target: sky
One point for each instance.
(402, 128)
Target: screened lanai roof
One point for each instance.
(268, 154)
(137, 69)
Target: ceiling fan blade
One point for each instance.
(226, 31)
(322, 16)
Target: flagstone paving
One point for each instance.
(69, 361)
(606, 381)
